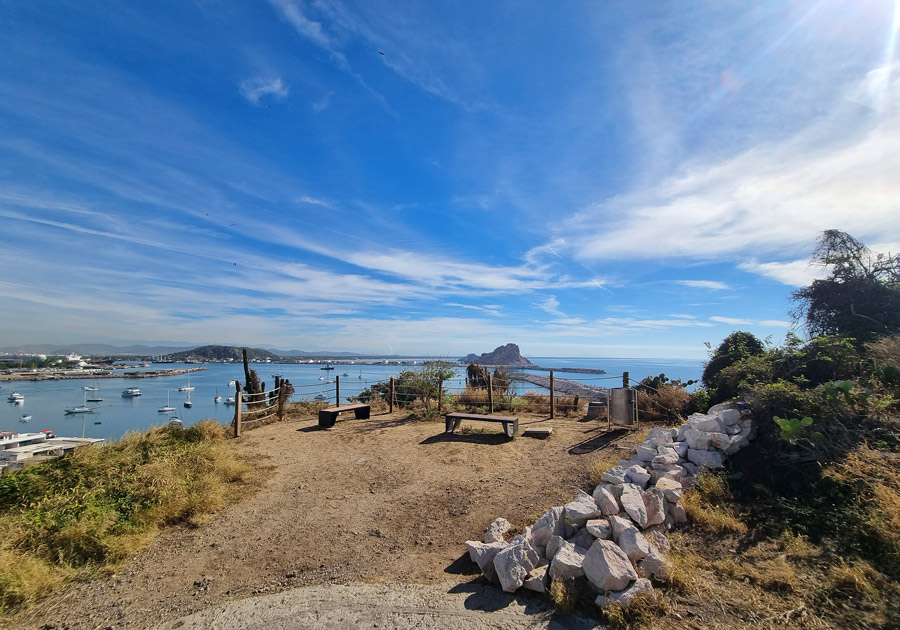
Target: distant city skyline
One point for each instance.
(591, 179)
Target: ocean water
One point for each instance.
(46, 401)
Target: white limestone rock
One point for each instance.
(644, 452)
(698, 440)
(537, 579)
(720, 441)
(582, 509)
(680, 448)
(672, 490)
(656, 536)
(625, 596)
(606, 501)
(633, 543)
(567, 563)
(618, 524)
(655, 506)
(729, 417)
(705, 459)
(607, 567)
(615, 475)
(549, 524)
(637, 475)
(599, 528)
(582, 538)
(496, 531)
(654, 564)
(670, 457)
(553, 546)
(705, 423)
(483, 554)
(514, 563)
(659, 436)
(682, 430)
(633, 504)
(676, 511)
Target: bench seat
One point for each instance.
(327, 417)
(453, 420)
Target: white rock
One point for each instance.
(674, 475)
(658, 436)
(696, 439)
(656, 537)
(549, 524)
(619, 524)
(626, 596)
(567, 562)
(483, 554)
(537, 579)
(704, 422)
(553, 546)
(737, 443)
(670, 457)
(676, 511)
(633, 503)
(616, 475)
(582, 509)
(637, 475)
(514, 563)
(654, 564)
(680, 448)
(599, 528)
(633, 543)
(582, 538)
(720, 441)
(706, 459)
(655, 506)
(672, 490)
(729, 417)
(496, 531)
(682, 430)
(720, 407)
(606, 501)
(644, 452)
(607, 567)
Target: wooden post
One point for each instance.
(551, 395)
(246, 366)
(576, 404)
(490, 384)
(391, 409)
(282, 398)
(337, 389)
(440, 395)
(237, 414)
(276, 393)
(625, 379)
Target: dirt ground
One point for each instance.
(387, 499)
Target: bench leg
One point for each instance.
(326, 419)
(509, 429)
(362, 414)
(448, 425)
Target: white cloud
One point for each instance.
(776, 322)
(308, 28)
(256, 88)
(712, 285)
(489, 309)
(796, 273)
(734, 321)
(314, 201)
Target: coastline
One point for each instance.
(35, 376)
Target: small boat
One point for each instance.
(95, 399)
(89, 388)
(83, 408)
(320, 397)
(345, 374)
(321, 378)
(16, 397)
(131, 392)
(218, 398)
(175, 421)
(168, 408)
(186, 388)
(25, 417)
(98, 422)
(230, 400)
(327, 367)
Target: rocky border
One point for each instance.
(615, 537)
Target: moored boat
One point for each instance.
(131, 392)
(16, 397)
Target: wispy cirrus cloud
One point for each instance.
(734, 321)
(712, 285)
(254, 89)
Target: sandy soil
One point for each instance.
(380, 500)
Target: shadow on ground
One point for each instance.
(597, 442)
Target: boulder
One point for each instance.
(706, 459)
(659, 436)
(737, 443)
(637, 475)
(582, 538)
(720, 407)
(733, 429)
(549, 524)
(607, 567)
(633, 543)
(599, 528)
(679, 447)
(582, 509)
(729, 417)
(682, 430)
(676, 511)
(674, 475)
(633, 503)
(618, 525)
(567, 562)
(537, 579)
(704, 422)
(483, 554)
(654, 564)
(655, 506)
(720, 441)
(644, 452)
(514, 563)
(669, 457)
(606, 501)
(553, 546)
(615, 475)
(626, 596)
(695, 439)
(496, 531)
(656, 537)
(672, 490)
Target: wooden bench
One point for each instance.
(453, 420)
(327, 417)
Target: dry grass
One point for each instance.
(563, 595)
(86, 512)
(707, 505)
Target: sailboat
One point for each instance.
(188, 403)
(218, 398)
(186, 388)
(94, 397)
(168, 407)
(83, 408)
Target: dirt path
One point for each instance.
(369, 501)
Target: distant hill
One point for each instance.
(502, 355)
(304, 353)
(93, 349)
(223, 353)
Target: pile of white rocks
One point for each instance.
(615, 537)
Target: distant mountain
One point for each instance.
(222, 353)
(94, 349)
(502, 355)
(304, 353)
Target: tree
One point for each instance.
(860, 299)
(735, 347)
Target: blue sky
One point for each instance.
(581, 178)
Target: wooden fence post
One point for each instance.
(625, 379)
(440, 395)
(490, 384)
(237, 414)
(337, 389)
(551, 395)
(576, 404)
(391, 409)
(282, 398)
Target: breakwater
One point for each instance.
(563, 387)
(63, 376)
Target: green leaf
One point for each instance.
(845, 386)
(806, 421)
(818, 437)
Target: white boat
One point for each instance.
(175, 421)
(230, 400)
(131, 392)
(218, 398)
(320, 397)
(89, 388)
(25, 417)
(187, 403)
(83, 408)
(95, 399)
(168, 408)
(16, 397)
(186, 388)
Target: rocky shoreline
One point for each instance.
(32, 376)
